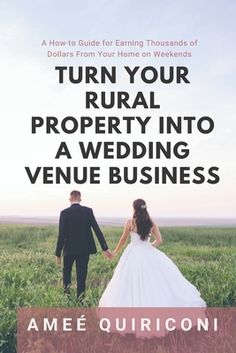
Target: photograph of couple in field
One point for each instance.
(106, 265)
(144, 275)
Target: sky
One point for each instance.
(29, 86)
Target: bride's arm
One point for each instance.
(123, 237)
(156, 232)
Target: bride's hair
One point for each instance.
(142, 219)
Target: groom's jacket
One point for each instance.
(75, 231)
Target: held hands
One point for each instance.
(109, 254)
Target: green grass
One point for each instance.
(30, 276)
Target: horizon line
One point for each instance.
(119, 221)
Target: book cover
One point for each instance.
(117, 212)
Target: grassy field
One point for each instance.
(30, 277)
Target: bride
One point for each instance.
(145, 276)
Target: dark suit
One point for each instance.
(76, 239)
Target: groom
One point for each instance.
(76, 239)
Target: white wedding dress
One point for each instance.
(146, 277)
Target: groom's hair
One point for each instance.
(75, 194)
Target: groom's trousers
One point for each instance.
(81, 262)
